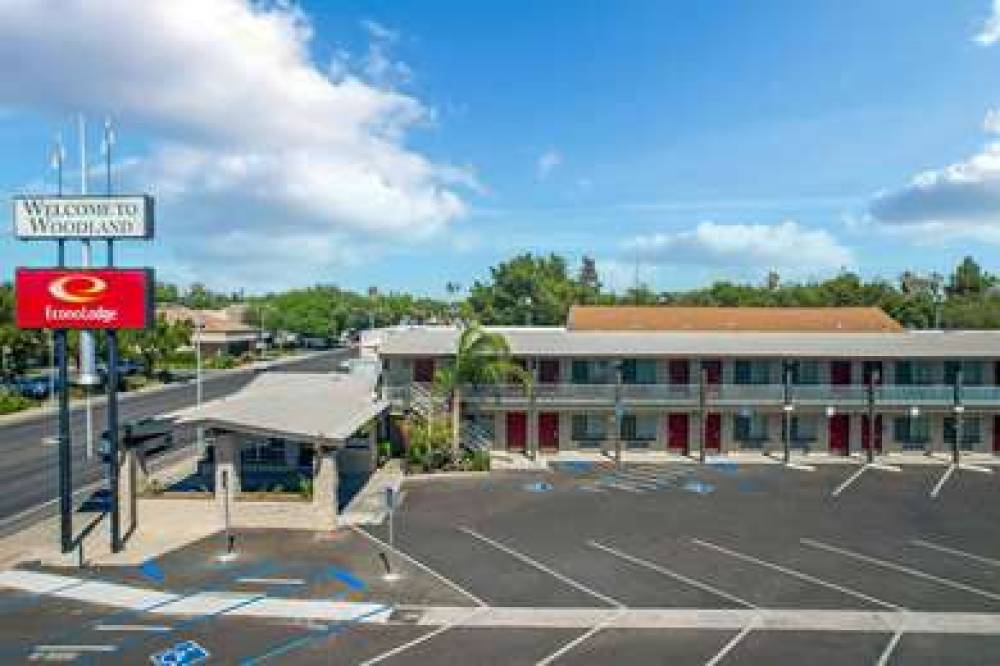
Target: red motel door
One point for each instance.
(677, 433)
(548, 431)
(865, 435)
(713, 372)
(679, 371)
(548, 371)
(840, 372)
(713, 432)
(840, 433)
(517, 431)
(423, 370)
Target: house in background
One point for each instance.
(222, 331)
(678, 379)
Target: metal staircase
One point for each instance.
(426, 405)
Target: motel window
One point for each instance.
(751, 372)
(263, 451)
(638, 371)
(971, 430)
(590, 427)
(804, 428)
(805, 372)
(638, 427)
(910, 373)
(972, 372)
(911, 430)
(592, 372)
(750, 428)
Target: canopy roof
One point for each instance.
(305, 406)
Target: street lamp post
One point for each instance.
(959, 410)
(198, 325)
(873, 378)
(702, 400)
(787, 408)
(619, 413)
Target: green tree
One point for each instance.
(969, 279)
(156, 343)
(526, 289)
(481, 357)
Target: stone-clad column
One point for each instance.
(325, 479)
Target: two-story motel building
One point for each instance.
(668, 379)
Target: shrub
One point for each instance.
(10, 402)
(305, 487)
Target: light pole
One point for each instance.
(198, 324)
(619, 413)
(959, 410)
(702, 399)
(873, 377)
(786, 413)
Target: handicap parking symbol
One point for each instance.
(538, 487)
(181, 654)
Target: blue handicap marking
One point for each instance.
(538, 487)
(151, 570)
(699, 487)
(185, 652)
(724, 466)
(347, 578)
(574, 466)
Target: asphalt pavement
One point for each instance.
(28, 470)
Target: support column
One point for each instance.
(325, 479)
(128, 489)
(227, 464)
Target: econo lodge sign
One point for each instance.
(83, 298)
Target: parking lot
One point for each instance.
(649, 563)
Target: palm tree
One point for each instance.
(481, 357)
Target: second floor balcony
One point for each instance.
(735, 395)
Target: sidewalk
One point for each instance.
(368, 506)
(504, 460)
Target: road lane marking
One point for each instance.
(672, 574)
(423, 567)
(580, 639)
(839, 489)
(75, 648)
(797, 574)
(954, 551)
(541, 567)
(893, 566)
(944, 477)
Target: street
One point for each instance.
(29, 473)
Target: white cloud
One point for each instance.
(784, 246)
(990, 32)
(964, 195)
(249, 141)
(547, 162)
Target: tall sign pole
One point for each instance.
(112, 375)
(87, 362)
(59, 339)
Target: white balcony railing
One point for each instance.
(605, 395)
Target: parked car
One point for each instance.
(37, 387)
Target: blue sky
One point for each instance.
(406, 144)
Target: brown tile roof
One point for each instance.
(672, 318)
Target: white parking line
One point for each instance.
(421, 639)
(672, 574)
(797, 574)
(944, 477)
(954, 551)
(730, 645)
(541, 567)
(839, 489)
(420, 565)
(579, 639)
(75, 648)
(917, 573)
(890, 646)
(271, 581)
(155, 628)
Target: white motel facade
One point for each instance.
(726, 380)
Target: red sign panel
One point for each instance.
(84, 298)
